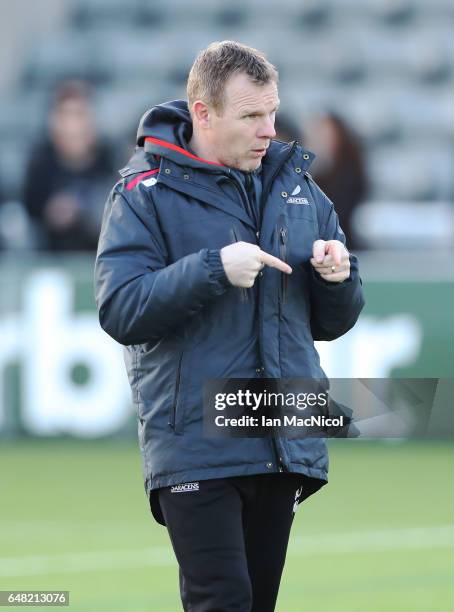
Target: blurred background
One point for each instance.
(366, 85)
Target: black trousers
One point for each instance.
(230, 538)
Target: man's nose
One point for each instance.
(266, 129)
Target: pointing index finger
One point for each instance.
(274, 262)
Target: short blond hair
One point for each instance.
(217, 63)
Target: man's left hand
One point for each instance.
(331, 260)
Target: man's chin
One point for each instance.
(245, 165)
(250, 165)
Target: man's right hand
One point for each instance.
(242, 262)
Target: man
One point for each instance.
(67, 172)
(219, 257)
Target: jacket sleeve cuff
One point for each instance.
(216, 266)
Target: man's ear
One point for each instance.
(201, 114)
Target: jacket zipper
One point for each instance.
(173, 412)
(244, 296)
(283, 237)
(265, 192)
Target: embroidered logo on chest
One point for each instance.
(294, 200)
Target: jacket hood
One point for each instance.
(170, 122)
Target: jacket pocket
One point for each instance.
(175, 420)
(283, 242)
(244, 294)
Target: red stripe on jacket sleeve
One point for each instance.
(140, 177)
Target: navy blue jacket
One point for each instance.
(162, 292)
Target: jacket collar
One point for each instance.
(202, 185)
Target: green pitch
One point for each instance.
(379, 537)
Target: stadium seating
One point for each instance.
(385, 65)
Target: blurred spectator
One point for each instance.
(339, 168)
(69, 174)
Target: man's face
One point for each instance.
(73, 128)
(241, 134)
